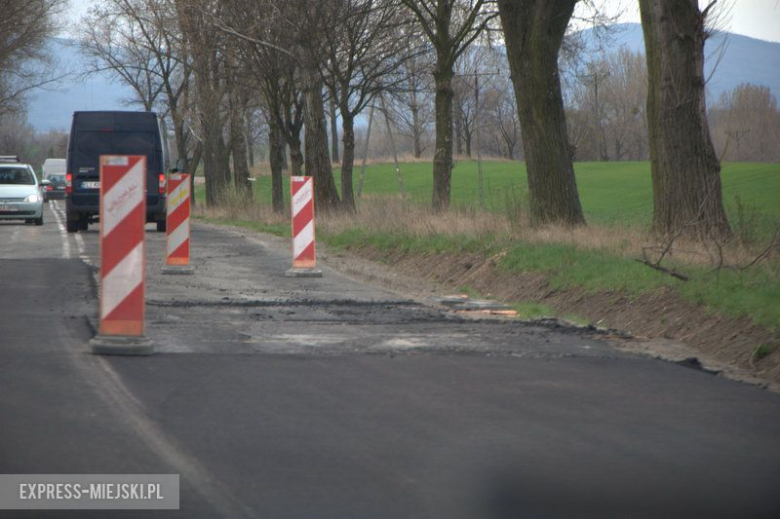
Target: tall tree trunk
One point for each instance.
(348, 162)
(533, 32)
(317, 156)
(334, 132)
(238, 144)
(442, 159)
(276, 159)
(685, 170)
(292, 136)
(250, 141)
(213, 172)
(192, 167)
(296, 157)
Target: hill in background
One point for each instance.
(745, 60)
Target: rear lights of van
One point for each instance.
(162, 183)
(68, 183)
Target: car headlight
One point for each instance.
(33, 198)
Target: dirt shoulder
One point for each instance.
(661, 323)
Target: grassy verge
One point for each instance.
(601, 258)
(753, 292)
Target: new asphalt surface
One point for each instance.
(278, 397)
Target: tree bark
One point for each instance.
(238, 146)
(276, 159)
(334, 132)
(687, 192)
(348, 162)
(442, 159)
(317, 156)
(192, 167)
(293, 137)
(533, 32)
(250, 141)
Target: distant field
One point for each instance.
(611, 192)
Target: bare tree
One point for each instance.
(685, 169)
(205, 44)
(24, 62)
(260, 34)
(140, 42)
(367, 43)
(18, 138)
(501, 110)
(450, 26)
(307, 25)
(111, 37)
(412, 102)
(607, 107)
(745, 124)
(533, 32)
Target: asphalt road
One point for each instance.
(330, 398)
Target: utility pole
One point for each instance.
(365, 151)
(392, 147)
(596, 78)
(476, 138)
(480, 176)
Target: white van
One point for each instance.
(53, 167)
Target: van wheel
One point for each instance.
(161, 226)
(83, 224)
(39, 221)
(72, 225)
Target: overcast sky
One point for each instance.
(754, 18)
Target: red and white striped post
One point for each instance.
(177, 243)
(304, 250)
(122, 256)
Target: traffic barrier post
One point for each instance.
(177, 242)
(122, 256)
(304, 262)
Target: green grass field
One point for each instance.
(611, 192)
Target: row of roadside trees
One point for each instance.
(220, 68)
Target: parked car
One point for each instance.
(113, 133)
(20, 192)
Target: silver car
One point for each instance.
(20, 194)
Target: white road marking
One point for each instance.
(82, 248)
(54, 206)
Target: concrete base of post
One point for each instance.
(303, 273)
(121, 345)
(180, 270)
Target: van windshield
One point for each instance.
(19, 176)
